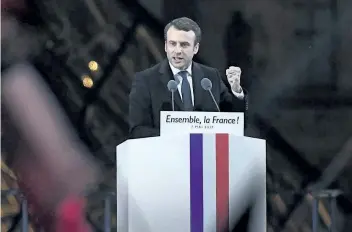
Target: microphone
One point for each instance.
(207, 85)
(172, 86)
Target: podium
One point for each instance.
(190, 183)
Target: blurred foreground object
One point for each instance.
(49, 160)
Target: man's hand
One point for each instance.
(233, 75)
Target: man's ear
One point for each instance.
(195, 49)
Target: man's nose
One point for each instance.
(178, 49)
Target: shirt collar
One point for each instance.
(176, 70)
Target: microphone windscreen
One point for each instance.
(206, 84)
(172, 85)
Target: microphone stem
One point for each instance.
(173, 101)
(212, 96)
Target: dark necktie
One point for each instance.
(186, 92)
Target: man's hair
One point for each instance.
(184, 24)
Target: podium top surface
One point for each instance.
(168, 137)
(166, 143)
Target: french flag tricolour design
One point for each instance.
(190, 183)
(209, 182)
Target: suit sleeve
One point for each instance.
(140, 110)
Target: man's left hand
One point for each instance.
(233, 75)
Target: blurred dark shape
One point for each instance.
(242, 224)
(21, 26)
(183, 8)
(25, 11)
(238, 45)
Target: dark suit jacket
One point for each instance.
(149, 95)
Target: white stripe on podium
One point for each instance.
(209, 183)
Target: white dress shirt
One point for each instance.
(179, 79)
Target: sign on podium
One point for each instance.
(176, 122)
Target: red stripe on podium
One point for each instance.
(222, 182)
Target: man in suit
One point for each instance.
(149, 94)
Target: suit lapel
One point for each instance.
(197, 76)
(166, 76)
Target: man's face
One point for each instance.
(180, 47)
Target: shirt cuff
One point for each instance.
(238, 95)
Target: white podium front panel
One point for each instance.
(195, 183)
(183, 122)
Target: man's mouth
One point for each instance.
(178, 59)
